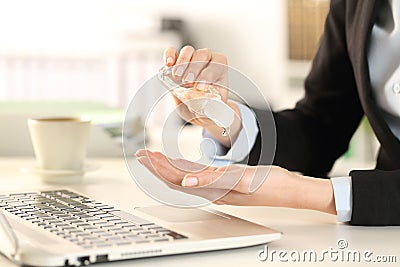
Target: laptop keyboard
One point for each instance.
(84, 221)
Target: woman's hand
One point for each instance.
(242, 184)
(202, 68)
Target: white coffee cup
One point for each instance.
(60, 143)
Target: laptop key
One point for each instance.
(160, 239)
(113, 219)
(132, 227)
(122, 232)
(153, 237)
(124, 243)
(90, 228)
(91, 219)
(105, 216)
(155, 228)
(115, 239)
(175, 235)
(106, 235)
(135, 238)
(144, 233)
(102, 245)
(107, 226)
(92, 239)
(84, 235)
(83, 225)
(142, 241)
(106, 208)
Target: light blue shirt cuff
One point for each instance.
(343, 198)
(242, 145)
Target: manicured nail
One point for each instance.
(179, 71)
(170, 61)
(190, 181)
(141, 152)
(189, 77)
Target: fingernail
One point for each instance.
(141, 152)
(179, 71)
(190, 181)
(189, 77)
(201, 85)
(170, 60)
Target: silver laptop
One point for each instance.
(64, 228)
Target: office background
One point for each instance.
(89, 57)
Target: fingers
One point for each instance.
(217, 74)
(147, 163)
(191, 64)
(169, 56)
(225, 185)
(232, 177)
(193, 175)
(142, 153)
(214, 72)
(190, 167)
(156, 165)
(219, 58)
(164, 169)
(200, 59)
(185, 56)
(170, 170)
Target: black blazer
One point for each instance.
(317, 131)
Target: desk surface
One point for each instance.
(303, 230)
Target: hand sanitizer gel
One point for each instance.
(207, 102)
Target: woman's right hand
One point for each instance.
(203, 67)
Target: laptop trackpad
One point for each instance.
(177, 215)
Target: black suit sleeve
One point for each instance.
(376, 197)
(317, 131)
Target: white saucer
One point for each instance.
(61, 176)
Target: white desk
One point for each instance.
(303, 230)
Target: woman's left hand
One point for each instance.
(241, 184)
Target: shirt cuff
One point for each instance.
(242, 145)
(343, 198)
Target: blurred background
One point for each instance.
(89, 57)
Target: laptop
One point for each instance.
(65, 228)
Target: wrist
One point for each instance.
(216, 132)
(315, 194)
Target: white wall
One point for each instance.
(252, 33)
